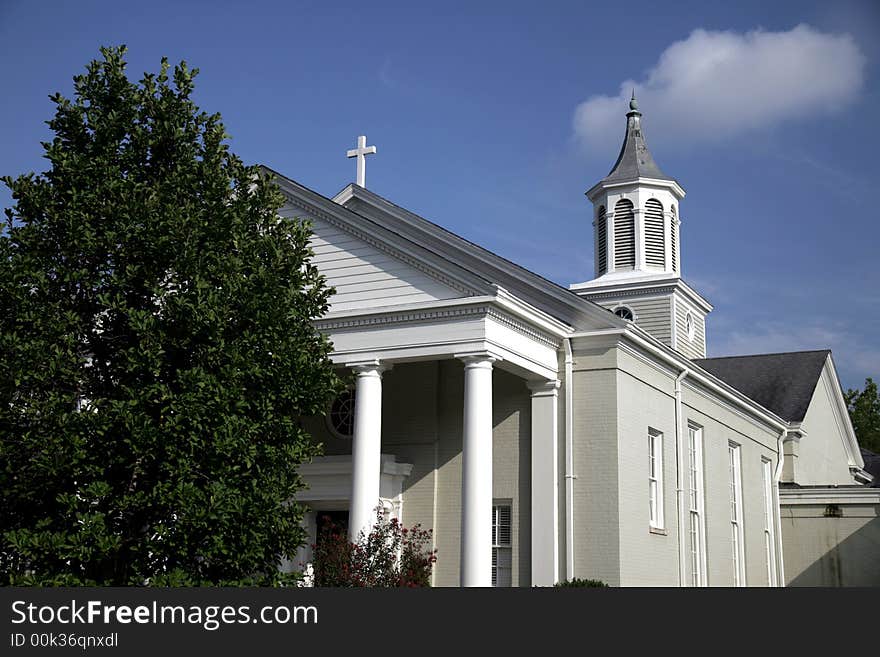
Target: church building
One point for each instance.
(546, 433)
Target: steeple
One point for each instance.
(635, 160)
(637, 251)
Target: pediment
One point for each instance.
(370, 268)
(400, 259)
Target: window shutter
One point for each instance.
(655, 249)
(504, 525)
(624, 235)
(502, 553)
(602, 241)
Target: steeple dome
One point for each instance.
(635, 160)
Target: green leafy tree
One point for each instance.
(864, 411)
(157, 348)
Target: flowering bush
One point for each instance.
(390, 555)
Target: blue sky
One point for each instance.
(492, 119)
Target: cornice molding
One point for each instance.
(523, 328)
(634, 286)
(431, 315)
(619, 294)
(404, 317)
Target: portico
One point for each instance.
(491, 339)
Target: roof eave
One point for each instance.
(641, 181)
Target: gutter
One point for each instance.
(569, 462)
(679, 479)
(681, 363)
(777, 475)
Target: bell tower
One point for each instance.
(636, 241)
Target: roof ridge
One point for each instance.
(776, 353)
(466, 240)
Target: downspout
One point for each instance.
(679, 478)
(569, 462)
(777, 475)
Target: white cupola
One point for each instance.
(635, 211)
(636, 241)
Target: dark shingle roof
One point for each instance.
(635, 160)
(782, 383)
(872, 465)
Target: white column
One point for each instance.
(545, 483)
(366, 448)
(476, 473)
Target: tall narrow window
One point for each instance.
(655, 244)
(624, 235)
(769, 537)
(655, 478)
(673, 237)
(696, 519)
(601, 241)
(736, 519)
(502, 553)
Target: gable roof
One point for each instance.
(872, 465)
(783, 383)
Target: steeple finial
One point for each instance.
(633, 105)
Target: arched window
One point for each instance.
(624, 235)
(601, 241)
(340, 417)
(673, 237)
(655, 246)
(689, 326)
(624, 313)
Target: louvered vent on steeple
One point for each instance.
(624, 235)
(673, 237)
(601, 242)
(655, 248)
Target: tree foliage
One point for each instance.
(156, 348)
(864, 411)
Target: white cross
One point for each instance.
(359, 153)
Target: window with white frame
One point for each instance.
(502, 551)
(696, 518)
(736, 517)
(689, 326)
(655, 479)
(769, 537)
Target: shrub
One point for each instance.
(391, 555)
(576, 581)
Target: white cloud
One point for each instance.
(715, 85)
